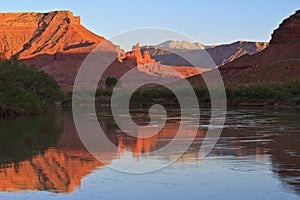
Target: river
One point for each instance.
(256, 157)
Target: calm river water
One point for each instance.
(256, 157)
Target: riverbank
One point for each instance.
(276, 95)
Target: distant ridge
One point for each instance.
(221, 54)
(279, 62)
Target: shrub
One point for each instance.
(24, 89)
(111, 82)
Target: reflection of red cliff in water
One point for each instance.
(56, 171)
(147, 145)
(61, 168)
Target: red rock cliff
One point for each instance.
(135, 57)
(31, 34)
(288, 31)
(57, 43)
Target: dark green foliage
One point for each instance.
(111, 82)
(287, 93)
(104, 92)
(281, 93)
(149, 96)
(25, 90)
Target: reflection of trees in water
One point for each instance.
(23, 138)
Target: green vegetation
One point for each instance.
(270, 94)
(111, 82)
(285, 93)
(25, 90)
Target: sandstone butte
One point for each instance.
(57, 43)
(280, 61)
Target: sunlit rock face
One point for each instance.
(57, 43)
(31, 34)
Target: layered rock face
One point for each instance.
(31, 34)
(223, 54)
(54, 42)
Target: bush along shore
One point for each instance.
(25, 90)
(276, 94)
